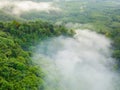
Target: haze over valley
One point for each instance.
(59, 44)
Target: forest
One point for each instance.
(16, 43)
(20, 34)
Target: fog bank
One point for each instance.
(19, 7)
(83, 62)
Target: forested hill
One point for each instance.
(17, 72)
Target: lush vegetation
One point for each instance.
(17, 72)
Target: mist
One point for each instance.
(19, 7)
(83, 62)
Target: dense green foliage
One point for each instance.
(17, 72)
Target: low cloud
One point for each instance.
(19, 7)
(83, 62)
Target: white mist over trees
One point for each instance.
(80, 63)
(19, 7)
(85, 61)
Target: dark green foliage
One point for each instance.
(15, 66)
(29, 33)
